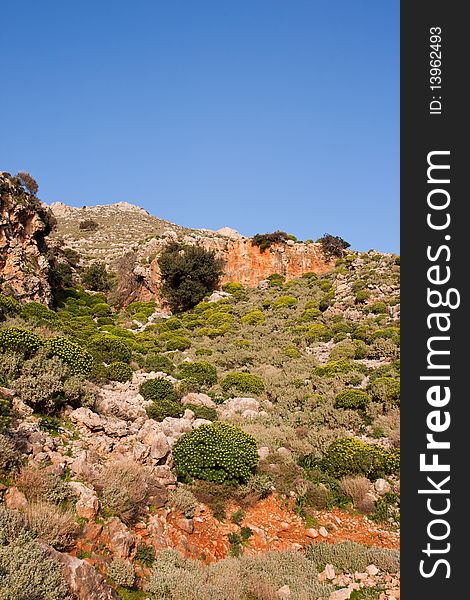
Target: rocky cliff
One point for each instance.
(123, 227)
(24, 224)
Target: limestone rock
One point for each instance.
(283, 593)
(15, 499)
(198, 400)
(87, 505)
(382, 487)
(85, 416)
(120, 539)
(82, 579)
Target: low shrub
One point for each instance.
(203, 412)
(183, 500)
(121, 572)
(88, 225)
(9, 305)
(254, 317)
(336, 367)
(53, 524)
(96, 277)
(378, 308)
(42, 485)
(157, 389)
(349, 557)
(218, 452)
(5, 412)
(333, 245)
(284, 302)
(175, 341)
(158, 362)
(119, 371)
(385, 390)
(202, 373)
(350, 456)
(109, 349)
(245, 383)
(79, 360)
(356, 488)
(16, 339)
(10, 456)
(145, 555)
(161, 409)
(266, 240)
(353, 399)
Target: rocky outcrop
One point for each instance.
(24, 223)
(145, 237)
(82, 579)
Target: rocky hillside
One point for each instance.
(117, 229)
(244, 449)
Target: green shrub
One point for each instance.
(344, 349)
(157, 389)
(175, 341)
(218, 452)
(183, 500)
(276, 280)
(158, 362)
(20, 340)
(5, 412)
(317, 333)
(161, 409)
(26, 573)
(333, 245)
(236, 289)
(353, 399)
(204, 352)
(121, 572)
(101, 309)
(386, 390)
(254, 317)
(79, 360)
(266, 240)
(284, 302)
(145, 555)
(350, 456)
(9, 304)
(336, 367)
(245, 383)
(203, 412)
(291, 352)
(362, 296)
(188, 274)
(109, 349)
(96, 277)
(309, 315)
(202, 373)
(378, 308)
(119, 371)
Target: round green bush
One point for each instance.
(204, 352)
(20, 340)
(158, 362)
(336, 367)
(254, 317)
(309, 315)
(218, 452)
(119, 371)
(79, 360)
(243, 382)
(378, 308)
(202, 373)
(317, 333)
(9, 304)
(350, 456)
(109, 349)
(175, 341)
(203, 412)
(386, 390)
(354, 399)
(160, 409)
(157, 389)
(284, 302)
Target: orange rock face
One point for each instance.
(246, 264)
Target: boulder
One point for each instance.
(198, 399)
(159, 447)
(87, 505)
(13, 498)
(82, 579)
(382, 487)
(85, 416)
(342, 594)
(120, 539)
(238, 406)
(283, 593)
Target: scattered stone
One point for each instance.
(85, 416)
(372, 570)
(342, 594)
(329, 571)
(15, 499)
(283, 592)
(198, 399)
(121, 539)
(323, 532)
(87, 505)
(186, 525)
(263, 452)
(382, 487)
(311, 533)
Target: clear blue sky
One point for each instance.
(256, 114)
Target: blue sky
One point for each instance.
(255, 114)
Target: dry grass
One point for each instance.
(52, 524)
(356, 488)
